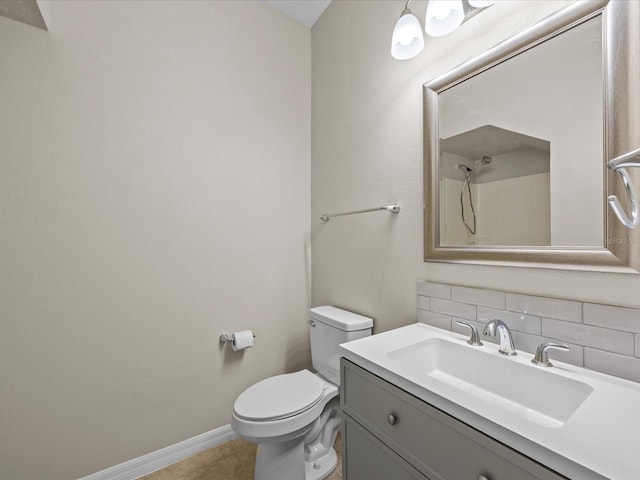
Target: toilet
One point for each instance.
(295, 417)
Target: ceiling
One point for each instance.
(305, 12)
(25, 11)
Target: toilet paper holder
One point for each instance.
(228, 337)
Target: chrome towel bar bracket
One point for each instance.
(620, 165)
(395, 208)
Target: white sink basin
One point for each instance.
(580, 423)
(530, 392)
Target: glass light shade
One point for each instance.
(407, 40)
(443, 16)
(481, 3)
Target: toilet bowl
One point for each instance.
(283, 414)
(295, 417)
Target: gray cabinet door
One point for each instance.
(370, 459)
(436, 444)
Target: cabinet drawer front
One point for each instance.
(369, 459)
(440, 446)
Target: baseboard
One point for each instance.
(164, 457)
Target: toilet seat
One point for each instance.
(280, 397)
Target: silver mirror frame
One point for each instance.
(621, 247)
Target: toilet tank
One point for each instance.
(329, 327)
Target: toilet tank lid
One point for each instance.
(342, 319)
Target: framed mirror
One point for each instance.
(517, 140)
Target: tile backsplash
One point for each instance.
(601, 337)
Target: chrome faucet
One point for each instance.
(542, 356)
(506, 340)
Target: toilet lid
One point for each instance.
(280, 397)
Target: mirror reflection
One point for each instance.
(521, 148)
(479, 170)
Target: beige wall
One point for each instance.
(367, 151)
(154, 192)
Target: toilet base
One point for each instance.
(321, 467)
(278, 461)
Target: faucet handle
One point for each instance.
(474, 339)
(542, 356)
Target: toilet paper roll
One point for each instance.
(242, 340)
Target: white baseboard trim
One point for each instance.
(164, 457)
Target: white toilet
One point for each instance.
(294, 418)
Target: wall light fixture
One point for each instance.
(443, 17)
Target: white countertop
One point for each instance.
(600, 440)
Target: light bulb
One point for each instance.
(481, 3)
(441, 10)
(407, 40)
(443, 17)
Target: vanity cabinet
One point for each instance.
(390, 434)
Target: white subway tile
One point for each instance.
(478, 296)
(455, 309)
(545, 307)
(435, 290)
(600, 337)
(613, 364)
(434, 319)
(515, 321)
(423, 302)
(590, 336)
(619, 318)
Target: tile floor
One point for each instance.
(233, 460)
